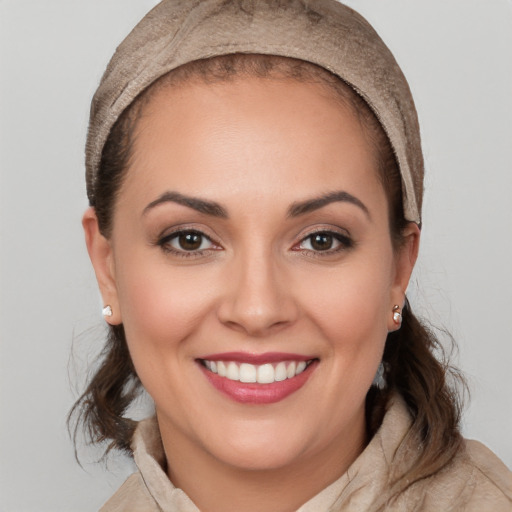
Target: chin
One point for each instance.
(260, 447)
(259, 459)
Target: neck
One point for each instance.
(215, 486)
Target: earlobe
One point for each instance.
(100, 253)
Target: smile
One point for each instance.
(257, 379)
(251, 373)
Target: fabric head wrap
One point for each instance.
(323, 32)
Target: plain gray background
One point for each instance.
(457, 55)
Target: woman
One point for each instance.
(255, 174)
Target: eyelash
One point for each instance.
(165, 243)
(344, 241)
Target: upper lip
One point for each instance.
(257, 359)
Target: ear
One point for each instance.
(100, 253)
(405, 259)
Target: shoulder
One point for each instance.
(490, 479)
(132, 495)
(475, 481)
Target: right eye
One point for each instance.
(187, 242)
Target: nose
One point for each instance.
(258, 299)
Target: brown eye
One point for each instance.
(187, 242)
(322, 241)
(325, 241)
(190, 241)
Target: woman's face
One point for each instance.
(250, 239)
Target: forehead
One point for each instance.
(258, 135)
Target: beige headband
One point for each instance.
(323, 32)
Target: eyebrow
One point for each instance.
(201, 205)
(316, 203)
(296, 209)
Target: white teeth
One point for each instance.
(221, 368)
(266, 374)
(291, 370)
(247, 372)
(301, 366)
(233, 373)
(280, 372)
(250, 373)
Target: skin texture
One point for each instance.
(256, 147)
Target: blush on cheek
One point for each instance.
(349, 304)
(159, 316)
(161, 309)
(352, 315)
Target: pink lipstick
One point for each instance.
(257, 378)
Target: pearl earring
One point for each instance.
(107, 311)
(397, 315)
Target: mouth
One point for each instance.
(262, 379)
(251, 373)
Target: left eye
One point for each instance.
(188, 241)
(324, 241)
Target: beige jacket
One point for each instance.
(476, 481)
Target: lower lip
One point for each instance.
(259, 393)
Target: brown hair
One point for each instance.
(412, 369)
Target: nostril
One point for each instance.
(258, 300)
(256, 324)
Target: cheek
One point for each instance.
(350, 306)
(162, 310)
(161, 305)
(350, 302)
